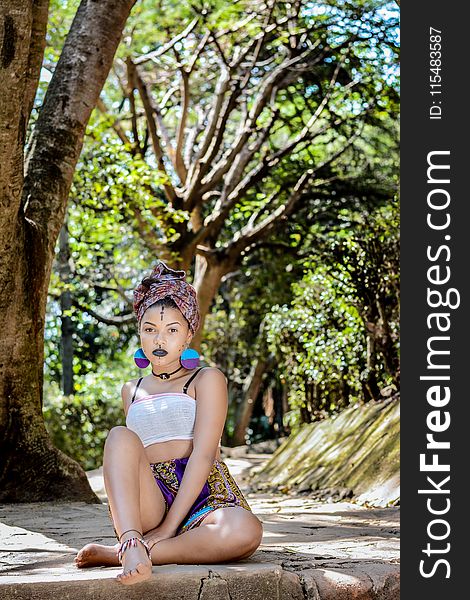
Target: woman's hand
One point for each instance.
(162, 532)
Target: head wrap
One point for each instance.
(162, 282)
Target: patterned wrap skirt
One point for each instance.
(219, 491)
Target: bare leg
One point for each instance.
(134, 497)
(135, 500)
(226, 534)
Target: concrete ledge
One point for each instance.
(213, 582)
(368, 582)
(169, 582)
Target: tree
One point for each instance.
(242, 119)
(33, 195)
(337, 341)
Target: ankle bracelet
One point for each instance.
(136, 530)
(132, 542)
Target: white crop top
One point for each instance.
(163, 417)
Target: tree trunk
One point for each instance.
(31, 468)
(250, 393)
(278, 395)
(207, 278)
(285, 407)
(32, 215)
(66, 339)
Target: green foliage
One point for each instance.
(233, 332)
(337, 342)
(119, 219)
(61, 14)
(79, 424)
(317, 338)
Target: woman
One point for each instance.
(171, 498)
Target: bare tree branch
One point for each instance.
(259, 42)
(293, 11)
(281, 75)
(178, 161)
(220, 91)
(202, 44)
(115, 125)
(114, 320)
(238, 150)
(265, 165)
(164, 133)
(194, 194)
(131, 85)
(201, 159)
(251, 233)
(157, 147)
(237, 161)
(117, 289)
(118, 321)
(193, 134)
(168, 46)
(220, 52)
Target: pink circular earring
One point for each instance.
(140, 359)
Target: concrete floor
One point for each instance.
(310, 550)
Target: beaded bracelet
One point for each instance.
(131, 542)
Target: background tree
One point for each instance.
(33, 195)
(337, 342)
(290, 70)
(117, 181)
(242, 111)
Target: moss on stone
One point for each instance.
(358, 450)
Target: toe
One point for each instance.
(140, 573)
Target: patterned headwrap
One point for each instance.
(162, 282)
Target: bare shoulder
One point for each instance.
(212, 381)
(129, 385)
(211, 394)
(210, 378)
(127, 390)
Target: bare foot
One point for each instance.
(97, 555)
(136, 564)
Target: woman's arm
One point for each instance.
(211, 412)
(126, 393)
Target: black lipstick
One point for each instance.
(159, 352)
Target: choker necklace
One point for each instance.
(167, 375)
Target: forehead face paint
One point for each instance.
(162, 313)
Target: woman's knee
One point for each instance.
(244, 529)
(121, 437)
(254, 533)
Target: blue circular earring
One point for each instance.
(189, 359)
(140, 359)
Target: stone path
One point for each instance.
(311, 551)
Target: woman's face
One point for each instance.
(165, 331)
